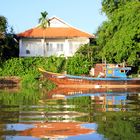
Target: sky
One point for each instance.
(24, 14)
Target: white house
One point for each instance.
(58, 39)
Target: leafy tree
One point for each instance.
(11, 46)
(43, 20)
(3, 26)
(8, 45)
(110, 6)
(119, 37)
(78, 65)
(89, 52)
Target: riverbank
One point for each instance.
(9, 82)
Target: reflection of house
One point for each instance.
(58, 39)
(57, 130)
(110, 102)
(103, 101)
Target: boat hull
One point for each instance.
(70, 81)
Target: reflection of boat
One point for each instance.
(56, 130)
(107, 76)
(61, 93)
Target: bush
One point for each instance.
(78, 65)
(27, 68)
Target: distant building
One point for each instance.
(58, 39)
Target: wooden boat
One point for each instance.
(111, 76)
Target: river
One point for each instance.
(70, 114)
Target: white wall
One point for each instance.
(54, 47)
(48, 47)
(70, 46)
(31, 47)
(57, 23)
(75, 43)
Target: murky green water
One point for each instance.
(70, 115)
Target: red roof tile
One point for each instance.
(55, 32)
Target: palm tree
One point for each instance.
(43, 20)
(44, 23)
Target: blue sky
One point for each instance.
(24, 14)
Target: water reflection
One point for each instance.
(70, 114)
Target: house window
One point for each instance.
(59, 47)
(27, 51)
(49, 46)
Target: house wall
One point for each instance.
(31, 47)
(55, 47)
(56, 23)
(75, 43)
(48, 47)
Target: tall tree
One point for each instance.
(119, 36)
(43, 20)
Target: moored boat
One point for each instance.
(107, 75)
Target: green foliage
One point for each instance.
(120, 35)
(27, 69)
(23, 66)
(85, 57)
(89, 52)
(56, 64)
(11, 48)
(3, 27)
(49, 85)
(8, 44)
(110, 6)
(29, 80)
(78, 65)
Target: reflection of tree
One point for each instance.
(114, 125)
(119, 126)
(135, 100)
(25, 97)
(12, 104)
(82, 104)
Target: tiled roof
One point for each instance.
(54, 32)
